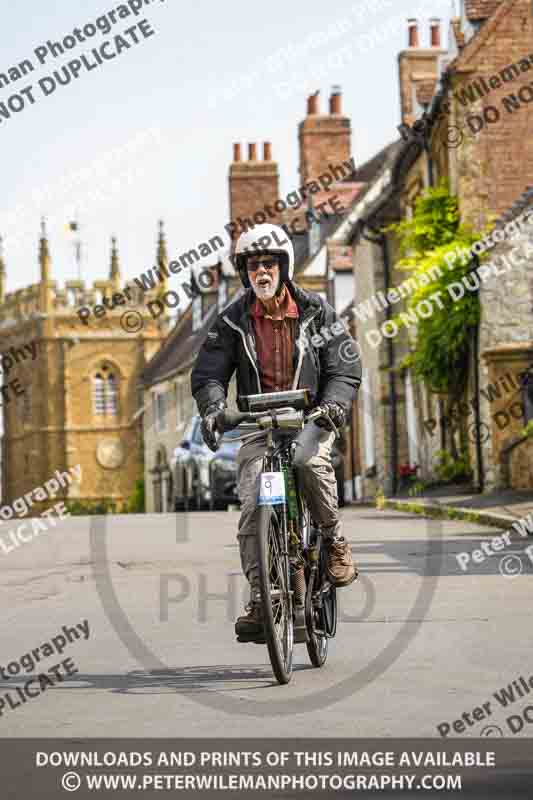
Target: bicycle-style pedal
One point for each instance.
(300, 633)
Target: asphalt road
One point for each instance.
(419, 641)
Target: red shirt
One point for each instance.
(274, 341)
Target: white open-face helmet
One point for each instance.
(265, 239)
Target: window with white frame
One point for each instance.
(368, 421)
(197, 312)
(314, 237)
(180, 399)
(159, 400)
(222, 293)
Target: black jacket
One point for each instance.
(331, 369)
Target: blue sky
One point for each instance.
(149, 134)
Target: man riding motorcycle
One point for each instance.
(269, 336)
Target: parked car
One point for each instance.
(203, 479)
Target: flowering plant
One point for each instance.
(406, 471)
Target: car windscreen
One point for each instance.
(197, 437)
(232, 434)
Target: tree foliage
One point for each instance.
(136, 503)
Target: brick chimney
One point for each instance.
(434, 32)
(324, 138)
(479, 10)
(253, 184)
(313, 104)
(418, 69)
(412, 27)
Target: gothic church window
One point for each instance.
(105, 392)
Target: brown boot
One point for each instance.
(339, 566)
(251, 623)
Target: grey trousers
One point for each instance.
(316, 475)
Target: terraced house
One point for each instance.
(321, 266)
(473, 136)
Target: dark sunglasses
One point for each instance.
(253, 266)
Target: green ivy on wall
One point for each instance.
(439, 351)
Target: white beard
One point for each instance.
(265, 292)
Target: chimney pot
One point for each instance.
(312, 104)
(267, 151)
(413, 32)
(435, 32)
(237, 151)
(335, 100)
(252, 151)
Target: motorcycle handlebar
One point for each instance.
(231, 419)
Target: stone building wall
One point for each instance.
(365, 256)
(506, 349)
(54, 424)
(521, 466)
(375, 395)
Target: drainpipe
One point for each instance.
(352, 447)
(431, 178)
(477, 414)
(479, 453)
(381, 239)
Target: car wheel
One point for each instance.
(212, 504)
(198, 499)
(186, 498)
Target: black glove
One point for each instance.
(336, 413)
(211, 424)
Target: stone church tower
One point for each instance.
(69, 388)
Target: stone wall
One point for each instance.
(375, 398)
(506, 349)
(521, 466)
(53, 424)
